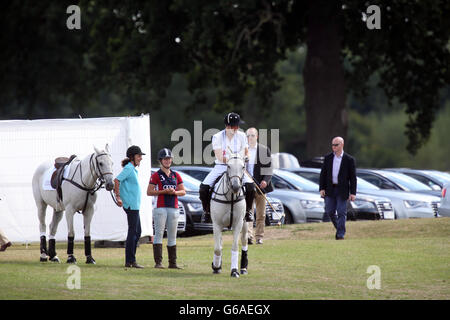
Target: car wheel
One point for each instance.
(288, 216)
(267, 221)
(351, 216)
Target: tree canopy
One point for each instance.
(134, 48)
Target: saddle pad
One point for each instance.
(46, 185)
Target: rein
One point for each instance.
(225, 193)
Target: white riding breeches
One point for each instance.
(217, 171)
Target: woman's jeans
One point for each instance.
(163, 217)
(134, 234)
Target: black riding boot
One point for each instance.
(249, 197)
(205, 199)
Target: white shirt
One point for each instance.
(251, 159)
(237, 143)
(336, 166)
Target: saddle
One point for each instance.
(58, 176)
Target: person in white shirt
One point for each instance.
(229, 138)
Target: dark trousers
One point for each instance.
(335, 204)
(134, 234)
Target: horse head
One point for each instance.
(235, 171)
(103, 167)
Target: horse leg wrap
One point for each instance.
(244, 259)
(43, 244)
(70, 245)
(234, 259)
(52, 248)
(249, 197)
(87, 246)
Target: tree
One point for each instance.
(135, 47)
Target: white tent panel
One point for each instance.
(25, 144)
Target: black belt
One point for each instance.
(335, 185)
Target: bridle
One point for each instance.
(229, 187)
(99, 177)
(235, 176)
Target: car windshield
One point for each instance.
(300, 182)
(407, 183)
(362, 184)
(190, 184)
(441, 176)
(310, 175)
(315, 176)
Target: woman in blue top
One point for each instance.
(128, 195)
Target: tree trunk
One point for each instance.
(325, 89)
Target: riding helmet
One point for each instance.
(164, 153)
(133, 150)
(232, 119)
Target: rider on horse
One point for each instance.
(235, 140)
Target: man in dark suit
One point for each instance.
(338, 184)
(260, 167)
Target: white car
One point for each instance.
(444, 209)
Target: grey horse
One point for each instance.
(84, 178)
(228, 210)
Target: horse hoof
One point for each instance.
(71, 259)
(43, 257)
(244, 271)
(234, 273)
(90, 260)
(216, 270)
(55, 259)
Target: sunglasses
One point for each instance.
(251, 135)
(335, 144)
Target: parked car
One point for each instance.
(444, 209)
(299, 207)
(405, 204)
(372, 207)
(385, 179)
(197, 174)
(432, 178)
(284, 160)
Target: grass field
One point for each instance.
(300, 261)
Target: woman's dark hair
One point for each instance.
(125, 161)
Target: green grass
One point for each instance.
(295, 262)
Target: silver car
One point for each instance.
(197, 173)
(444, 209)
(364, 207)
(299, 207)
(405, 204)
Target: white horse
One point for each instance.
(78, 194)
(228, 210)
